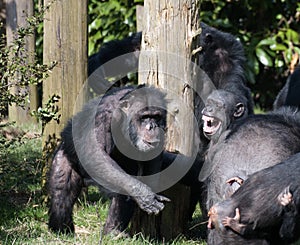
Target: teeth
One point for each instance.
(210, 124)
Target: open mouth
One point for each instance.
(152, 145)
(210, 125)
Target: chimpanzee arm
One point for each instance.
(111, 175)
(102, 168)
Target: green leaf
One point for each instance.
(278, 47)
(267, 41)
(292, 36)
(263, 57)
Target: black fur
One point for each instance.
(289, 94)
(263, 216)
(251, 144)
(89, 150)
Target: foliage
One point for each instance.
(18, 67)
(49, 111)
(109, 20)
(269, 31)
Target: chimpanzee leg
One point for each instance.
(65, 185)
(120, 212)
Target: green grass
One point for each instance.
(23, 214)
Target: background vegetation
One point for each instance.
(269, 31)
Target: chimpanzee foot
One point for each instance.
(285, 197)
(234, 223)
(236, 179)
(213, 217)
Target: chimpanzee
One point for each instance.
(112, 140)
(251, 144)
(289, 94)
(221, 109)
(265, 207)
(221, 57)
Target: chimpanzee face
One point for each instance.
(141, 117)
(147, 129)
(221, 109)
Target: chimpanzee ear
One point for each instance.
(208, 38)
(239, 110)
(124, 105)
(118, 115)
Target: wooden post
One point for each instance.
(65, 41)
(16, 13)
(165, 62)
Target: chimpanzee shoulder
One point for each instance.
(286, 116)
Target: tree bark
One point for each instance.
(65, 41)
(16, 14)
(165, 62)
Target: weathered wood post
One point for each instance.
(170, 27)
(16, 14)
(65, 41)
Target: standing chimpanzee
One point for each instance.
(112, 140)
(264, 209)
(251, 144)
(222, 58)
(289, 94)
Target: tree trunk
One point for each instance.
(16, 14)
(165, 62)
(65, 41)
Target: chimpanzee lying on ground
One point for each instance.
(113, 138)
(289, 94)
(251, 144)
(265, 207)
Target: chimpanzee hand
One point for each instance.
(151, 202)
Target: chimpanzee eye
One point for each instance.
(156, 117)
(144, 117)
